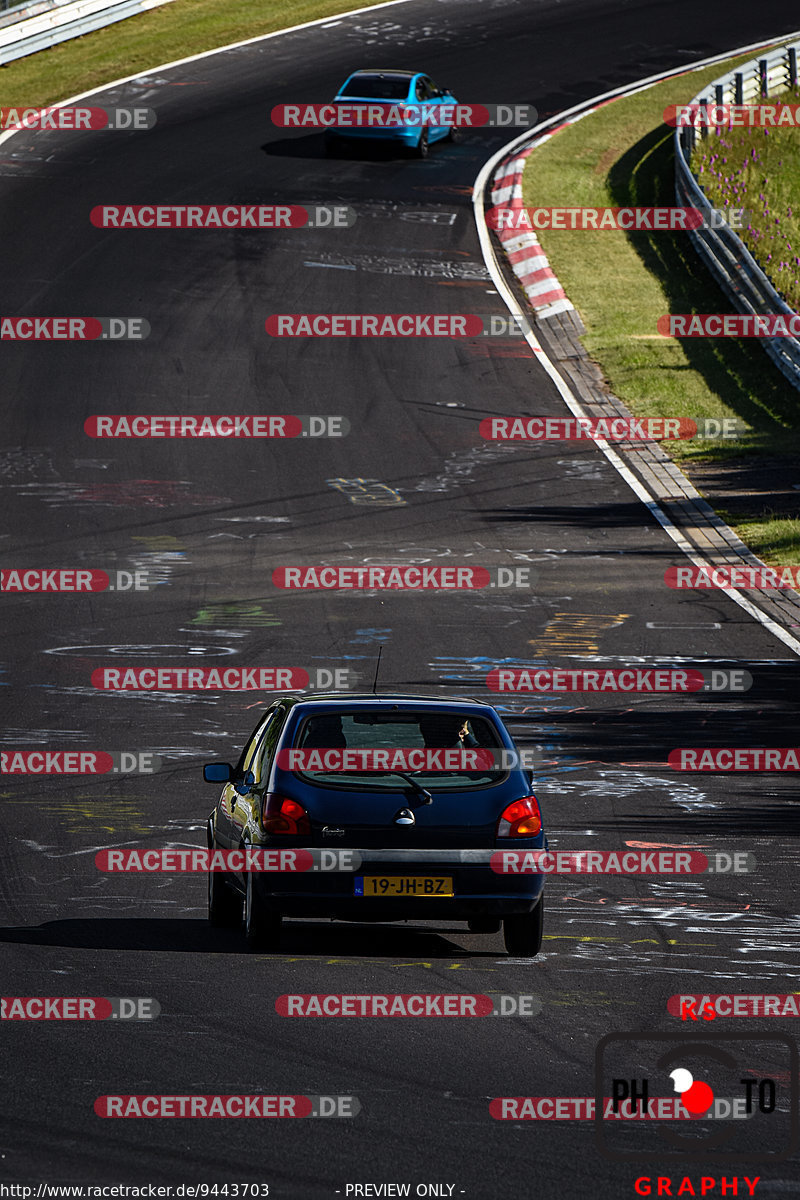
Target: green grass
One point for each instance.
(759, 170)
(773, 538)
(161, 35)
(621, 283)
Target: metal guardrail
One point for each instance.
(61, 22)
(22, 11)
(6, 6)
(723, 252)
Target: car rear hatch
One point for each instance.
(389, 818)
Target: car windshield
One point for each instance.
(441, 750)
(377, 87)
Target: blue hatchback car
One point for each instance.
(389, 89)
(419, 794)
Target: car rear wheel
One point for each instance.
(523, 934)
(224, 905)
(262, 926)
(421, 149)
(484, 925)
(224, 908)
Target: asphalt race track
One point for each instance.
(210, 520)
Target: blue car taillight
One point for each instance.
(281, 815)
(521, 818)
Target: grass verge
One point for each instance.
(622, 283)
(773, 538)
(139, 43)
(759, 170)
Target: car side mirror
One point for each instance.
(218, 772)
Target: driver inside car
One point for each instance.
(324, 733)
(440, 730)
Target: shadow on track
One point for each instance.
(764, 821)
(607, 516)
(312, 145)
(198, 937)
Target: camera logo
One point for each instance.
(696, 1097)
(737, 1094)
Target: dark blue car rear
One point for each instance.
(423, 839)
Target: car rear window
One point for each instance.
(439, 750)
(377, 87)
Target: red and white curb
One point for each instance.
(523, 249)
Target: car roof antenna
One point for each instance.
(377, 668)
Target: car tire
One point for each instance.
(224, 907)
(262, 925)
(484, 925)
(523, 934)
(422, 146)
(454, 135)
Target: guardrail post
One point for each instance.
(763, 81)
(792, 57)
(688, 139)
(738, 87)
(719, 100)
(704, 100)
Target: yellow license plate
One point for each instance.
(404, 885)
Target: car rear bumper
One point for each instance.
(407, 136)
(477, 891)
(460, 908)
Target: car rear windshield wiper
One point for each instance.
(417, 788)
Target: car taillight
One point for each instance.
(279, 814)
(520, 819)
